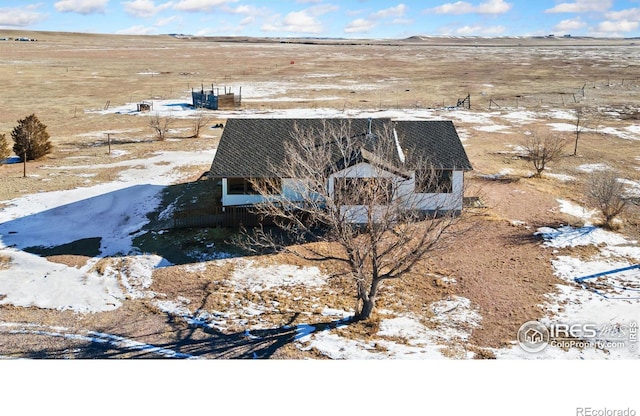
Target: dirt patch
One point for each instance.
(507, 274)
(70, 260)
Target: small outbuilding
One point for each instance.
(213, 100)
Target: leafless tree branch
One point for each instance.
(160, 125)
(606, 193)
(542, 149)
(367, 222)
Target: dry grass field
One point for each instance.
(516, 86)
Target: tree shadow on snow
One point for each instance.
(128, 221)
(102, 224)
(193, 341)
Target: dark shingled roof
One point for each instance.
(249, 147)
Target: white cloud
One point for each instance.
(582, 6)
(242, 9)
(397, 11)
(251, 14)
(493, 7)
(137, 30)
(322, 9)
(168, 20)
(251, 17)
(81, 6)
(20, 17)
(296, 22)
(359, 26)
(614, 27)
(479, 30)
(628, 14)
(144, 8)
(247, 21)
(402, 21)
(355, 12)
(463, 7)
(460, 7)
(362, 25)
(569, 24)
(303, 21)
(201, 5)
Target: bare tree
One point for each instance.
(605, 192)
(199, 121)
(541, 149)
(581, 124)
(161, 125)
(5, 151)
(366, 222)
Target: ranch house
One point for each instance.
(252, 149)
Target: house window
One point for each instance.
(363, 191)
(236, 186)
(434, 182)
(243, 186)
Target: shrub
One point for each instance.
(31, 139)
(605, 193)
(5, 152)
(540, 150)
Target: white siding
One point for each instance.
(405, 192)
(443, 202)
(292, 190)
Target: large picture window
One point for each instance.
(363, 191)
(434, 182)
(243, 186)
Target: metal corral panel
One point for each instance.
(205, 100)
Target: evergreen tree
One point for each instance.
(5, 152)
(31, 139)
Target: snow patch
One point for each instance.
(31, 280)
(573, 237)
(631, 135)
(493, 128)
(575, 210)
(562, 127)
(561, 177)
(594, 167)
(453, 322)
(258, 278)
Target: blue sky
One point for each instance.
(328, 18)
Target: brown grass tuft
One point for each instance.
(5, 261)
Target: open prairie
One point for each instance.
(197, 299)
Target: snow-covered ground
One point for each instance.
(112, 212)
(115, 212)
(608, 298)
(610, 302)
